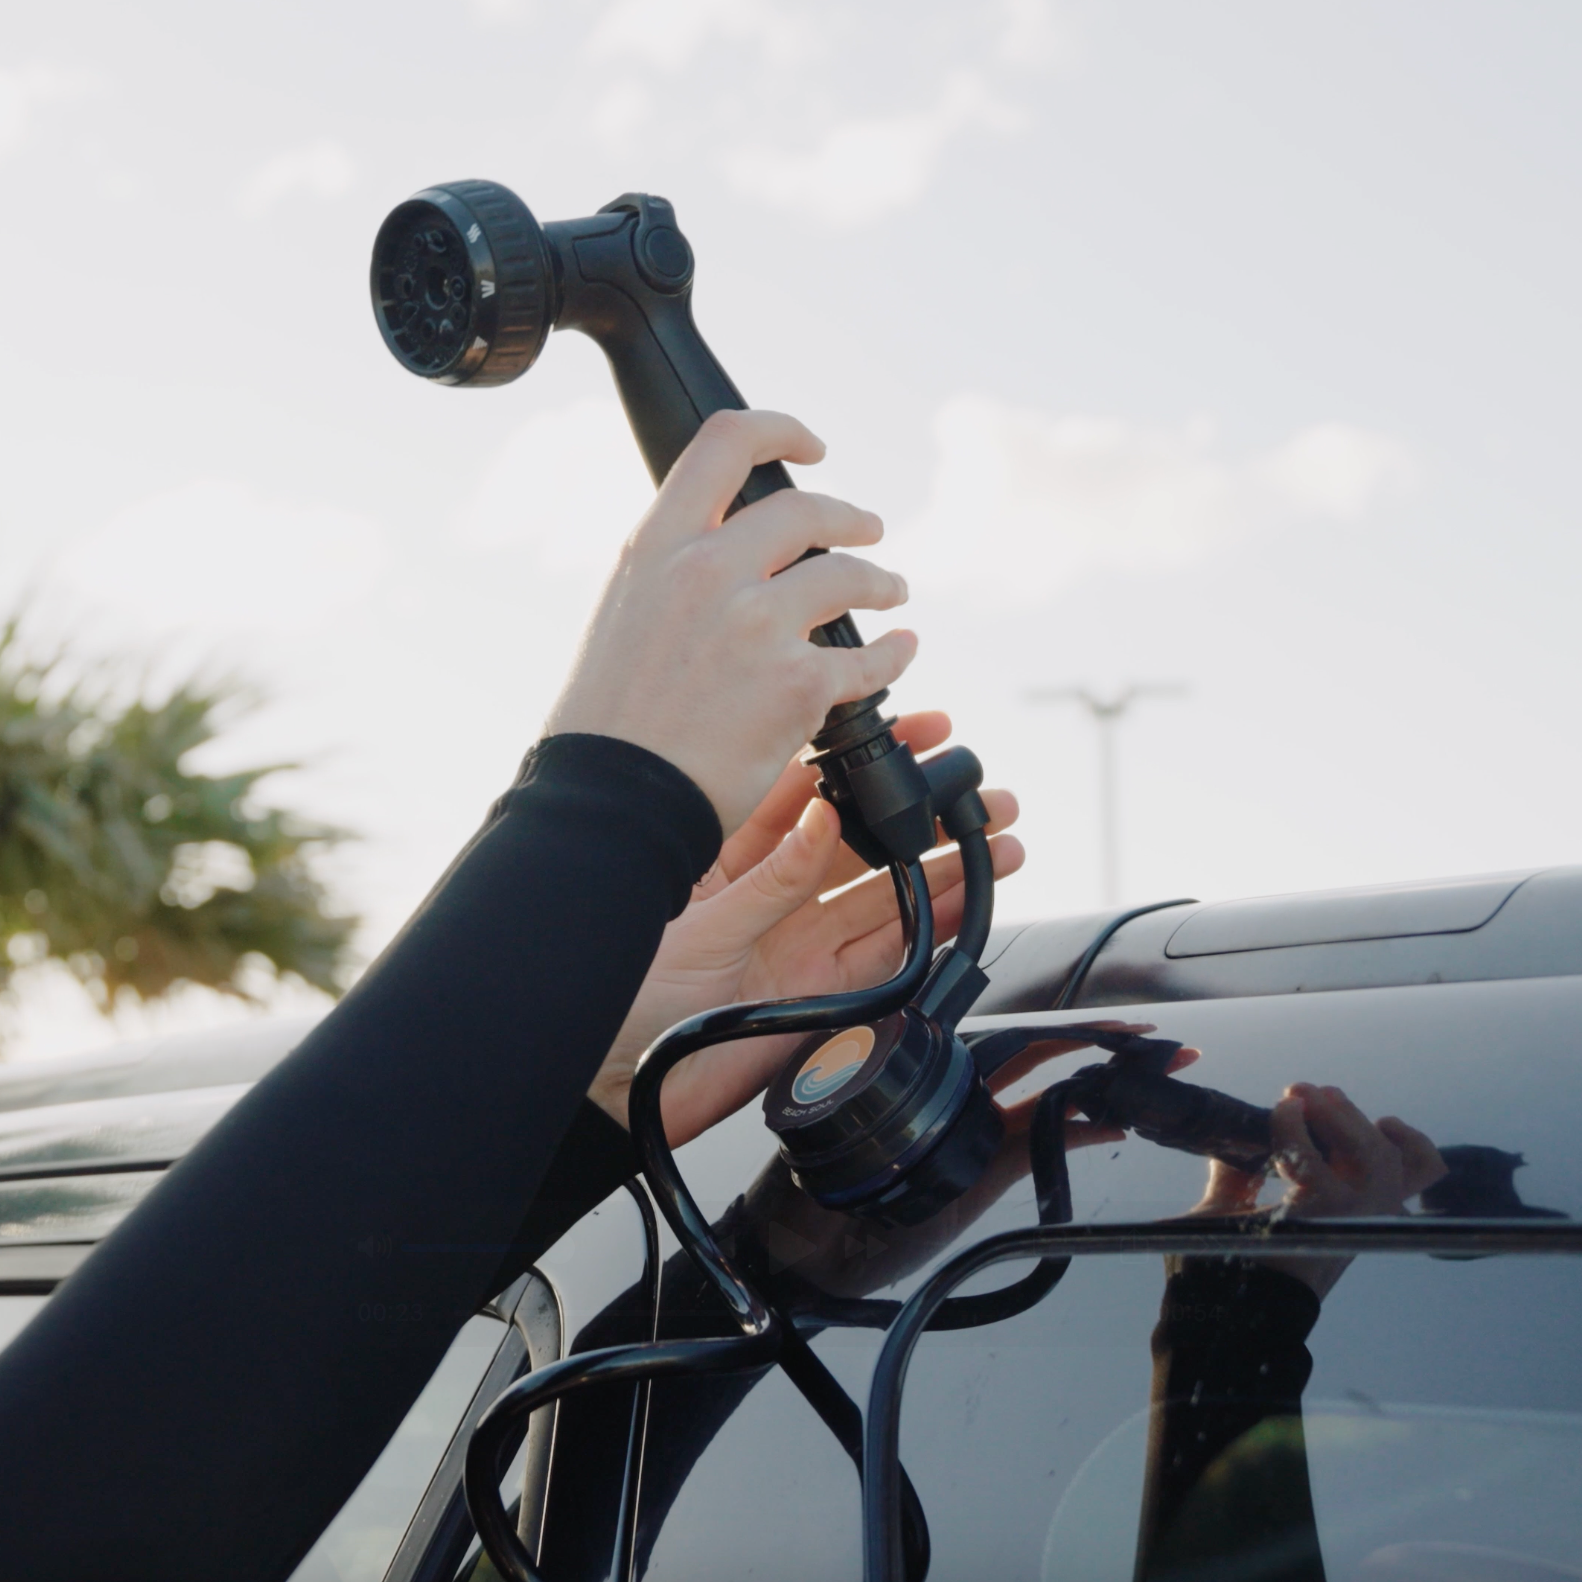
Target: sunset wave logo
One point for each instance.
(832, 1065)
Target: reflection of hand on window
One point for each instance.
(1336, 1164)
(1372, 1168)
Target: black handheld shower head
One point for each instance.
(467, 285)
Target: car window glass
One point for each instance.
(1442, 1421)
(1393, 1483)
(597, 1259)
(16, 1311)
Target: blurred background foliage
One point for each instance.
(136, 873)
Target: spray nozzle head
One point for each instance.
(463, 284)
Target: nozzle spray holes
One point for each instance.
(425, 293)
(461, 284)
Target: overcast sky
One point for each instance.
(1226, 344)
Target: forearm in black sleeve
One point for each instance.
(594, 1158)
(204, 1394)
(1226, 1491)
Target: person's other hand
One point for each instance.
(764, 925)
(698, 651)
(1372, 1168)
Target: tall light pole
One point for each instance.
(1106, 714)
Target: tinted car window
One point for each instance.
(15, 1311)
(1441, 1425)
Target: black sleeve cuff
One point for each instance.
(647, 787)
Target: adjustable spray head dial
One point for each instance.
(463, 284)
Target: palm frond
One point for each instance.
(138, 872)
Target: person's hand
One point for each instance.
(1372, 1168)
(698, 651)
(763, 925)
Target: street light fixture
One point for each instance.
(1106, 713)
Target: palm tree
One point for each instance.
(135, 872)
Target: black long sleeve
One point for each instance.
(208, 1389)
(594, 1158)
(1227, 1493)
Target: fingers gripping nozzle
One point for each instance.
(467, 286)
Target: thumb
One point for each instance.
(789, 877)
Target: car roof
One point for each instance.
(97, 1131)
(1523, 924)
(219, 1057)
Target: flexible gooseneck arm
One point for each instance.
(812, 1014)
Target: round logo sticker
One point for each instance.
(832, 1065)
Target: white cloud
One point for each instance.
(668, 33)
(618, 112)
(214, 560)
(1053, 497)
(1029, 37)
(499, 11)
(24, 90)
(569, 483)
(323, 170)
(1334, 470)
(865, 168)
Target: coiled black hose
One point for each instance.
(977, 865)
(764, 1334)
